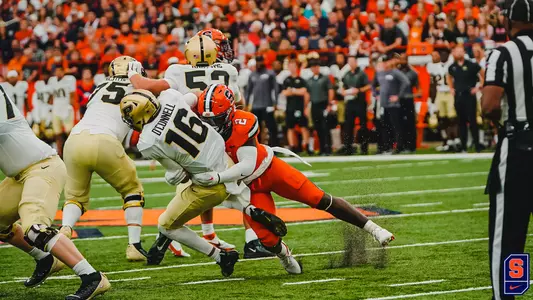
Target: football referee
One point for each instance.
(508, 97)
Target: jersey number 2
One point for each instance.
(188, 130)
(196, 79)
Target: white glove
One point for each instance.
(134, 67)
(175, 177)
(206, 179)
(29, 118)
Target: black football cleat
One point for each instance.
(272, 222)
(44, 268)
(157, 251)
(254, 249)
(92, 285)
(227, 262)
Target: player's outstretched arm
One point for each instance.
(155, 86)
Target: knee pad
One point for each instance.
(6, 235)
(41, 236)
(83, 210)
(136, 200)
(325, 203)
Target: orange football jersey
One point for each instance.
(245, 126)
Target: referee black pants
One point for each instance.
(510, 191)
(466, 108)
(409, 123)
(393, 129)
(320, 124)
(355, 109)
(268, 117)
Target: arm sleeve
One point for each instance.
(247, 156)
(496, 70)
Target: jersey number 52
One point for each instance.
(196, 79)
(188, 130)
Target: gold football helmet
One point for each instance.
(119, 66)
(139, 108)
(201, 49)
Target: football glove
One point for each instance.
(206, 179)
(134, 67)
(175, 177)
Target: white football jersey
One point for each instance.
(42, 109)
(19, 147)
(61, 89)
(437, 73)
(177, 135)
(17, 93)
(186, 78)
(103, 110)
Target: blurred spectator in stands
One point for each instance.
(269, 55)
(469, 18)
(339, 67)
(429, 26)
(262, 96)
(491, 12)
(244, 75)
(29, 70)
(460, 32)
(407, 103)
(294, 88)
(478, 55)
(321, 95)
(485, 30)
(500, 32)
(104, 30)
(334, 38)
(355, 19)
(255, 33)
(17, 61)
(314, 35)
(340, 25)
(303, 44)
(275, 39)
(38, 53)
(292, 37)
(171, 51)
(24, 33)
(84, 89)
(75, 64)
(402, 24)
(473, 38)
(391, 37)
(245, 47)
(353, 87)
(92, 21)
(441, 35)
(270, 22)
(197, 22)
(415, 34)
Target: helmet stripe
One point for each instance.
(207, 100)
(202, 49)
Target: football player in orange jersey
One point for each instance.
(264, 173)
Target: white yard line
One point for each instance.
(433, 293)
(212, 281)
(400, 178)
(417, 283)
(149, 269)
(420, 192)
(129, 279)
(481, 204)
(422, 204)
(313, 281)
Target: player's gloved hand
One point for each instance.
(29, 118)
(206, 179)
(134, 67)
(175, 177)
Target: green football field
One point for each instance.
(440, 251)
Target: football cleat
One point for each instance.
(158, 249)
(227, 262)
(44, 268)
(92, 285)
(383, 236)
(135, 252)
(177, 250)
(220, 244)
(289, 263)
(272, 222)
(254, 249)
(66, 231)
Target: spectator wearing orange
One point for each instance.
(269, 55)
(456, 5)
(171, 51)
(56, 60)
(420, 9)
(468, 5)
(297, 20)
(468, 17)
(356, 18)
(84, 88)
(24, 33)
(104, 31)
(415, 34)
(255, 32)
(125, 36)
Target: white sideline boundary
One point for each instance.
(421, 204)
(416, 283)
(212, 281)
(150, 269)
(129, 279)
(313, 281)
(357, 158)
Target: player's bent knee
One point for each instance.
(78, 204)
(136, 200)
(8, 233)
(42, 236)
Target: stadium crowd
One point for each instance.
(354, 61)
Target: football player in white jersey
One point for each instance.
(442, 102)
(42, 109)
(64, 91)
(17, 90)
(195, 78)
(95, 145)
(172, 134)
(30, 192)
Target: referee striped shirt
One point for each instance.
(510, 66)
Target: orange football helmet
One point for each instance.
(216, 107)
(225, 53)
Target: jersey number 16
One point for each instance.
(188, 130)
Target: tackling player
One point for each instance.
(264, 173)
(195, 77)
(64, 90)
(172, 134)
(30, 192)
(95, 145)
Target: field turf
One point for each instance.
(440, 251)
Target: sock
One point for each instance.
(208, 230)
(134, 217)
(249, 235)
(248, 210)
(215, 254)
(188, 237)
(284, 250)
(83, 268)
(38, 254)
(71, 215)
(370, 226)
